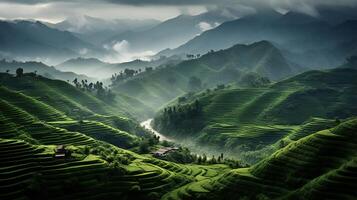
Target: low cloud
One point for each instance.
(83, 51)
(205, 26)
(121, 52)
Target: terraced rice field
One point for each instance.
(320, 165)
(31, 171)
(32, 106)
(100, 131)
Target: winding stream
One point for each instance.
(147, 124)
(198, 150)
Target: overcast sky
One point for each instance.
(55, 11)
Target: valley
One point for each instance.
(178, 100)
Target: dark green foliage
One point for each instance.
(254, 80)
(182, 155)
(176, 118)
(19, 72)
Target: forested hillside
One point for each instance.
(249, 121)
(235, 64)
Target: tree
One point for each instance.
(19, 72)
(204, 158)
(144, 147)
(129, 72)
(194, 83)
(213, 160)
(75, 81)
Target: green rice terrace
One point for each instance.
(98, 167)
(60, 142)
(254, 122)
(48, 152)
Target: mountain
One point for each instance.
(27, 40)
(95, 30)
(90, 66)
(167, 82)
(40, 69)
(251, 122)
(94, 67)
(308, 41)
(243, 30)
(171, 33)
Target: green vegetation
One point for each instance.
(321, 165)
(33, 124)
(164, 83)
(250, 123)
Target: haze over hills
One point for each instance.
(95, 30)
(298, 35)
(221, 67)
(26, 40)
(41, 69)
(170, 33)
(96, 68)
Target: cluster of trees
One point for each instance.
(192, 56)
(183, 155)
(101, 92)
(148, 142)
(254, 80)
(20, 72)
(187, 117)
(178, 112)
(127, 74)
(114, 158)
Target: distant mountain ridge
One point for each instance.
(221, 67)
(96, 68)
(26, 40)
(41, 69)
(96, 30)
(301, 36)
(170, 33)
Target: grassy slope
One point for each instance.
(164, 84)
(248, 120)
(70, 100)
(321, 165)
(30, 127)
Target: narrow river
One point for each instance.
(198, 150)
(147, 124)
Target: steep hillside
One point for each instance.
(171, 33)
(319, 166)
(71, 100)
(247, 121)
(25, 40)
(167, 82)
(95, 166)
(306, 40)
